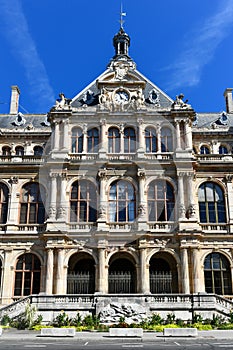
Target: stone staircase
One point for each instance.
(184, 306)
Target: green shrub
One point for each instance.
(61, 319)
(197, 318)
(5, 320)
(170, 318)
(202, 327)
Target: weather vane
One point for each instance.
(122, 14)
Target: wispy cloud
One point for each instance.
(25, 50)
(201, 47)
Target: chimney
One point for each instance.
(228, 98)
(15, 92)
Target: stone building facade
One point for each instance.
(120, 190)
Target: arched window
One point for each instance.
(27, 275)
(217, 274)
(211, 203)
(122, 202)
(6, 151)
(161, 201)
(166, 140)
(222, 150)
(113, 140)
(38, 151)
(77, 140)
(129, 140)
(19, 151)
(32, 200)
(81, 274)
(4, 197)
(83, 202)
(151, 140)
(204, 150)
(92, 140)
(122, 276)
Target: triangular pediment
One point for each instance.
(122, 76)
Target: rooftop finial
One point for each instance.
(122, 14)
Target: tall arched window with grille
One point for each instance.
(122, 202)
(211, 203)
(93, 140)
(217, 273)
(77, 140)
(32, 199)
(161, 201)
(83, 202)
(129, 140)
(113, 140)
(166, 139)
(151, 140)
(27, 275)
(4, 198)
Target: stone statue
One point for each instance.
(62, 102)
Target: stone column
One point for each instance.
(144, 272)
(103, 140)
(178, 143)
(49, 272)
(141, 138)
(158, 129)
(62, 211)
(53, 196)
(85, 138)
(56, 136)
(60, 270)
(181, 196)
(122, 138)
(229, 200)
(102, 210)
(185, 271)
(102, 286)
(142, 215)
(188, 135)
(196, 271)
(190, 200)
(7, 277)
(13, 208)
(65, 141)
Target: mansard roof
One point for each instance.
(24, 123)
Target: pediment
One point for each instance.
(124, 77)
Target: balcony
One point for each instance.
(213, 158)
(161, 226)
(214, 228)
(26, 159)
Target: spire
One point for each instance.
(121, 40)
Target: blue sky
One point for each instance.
(53, 46)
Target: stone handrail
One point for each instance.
(16, 308)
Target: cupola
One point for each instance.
(121, 42)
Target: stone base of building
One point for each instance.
(134, 308)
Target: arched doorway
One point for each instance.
(81, 274)
(27, 275)
(163, 274)
(217, 274)
(122, 276)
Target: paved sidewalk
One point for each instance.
(147, 336)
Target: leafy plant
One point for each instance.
(5, 320)
(61, 320)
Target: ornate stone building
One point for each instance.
(120, 190)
